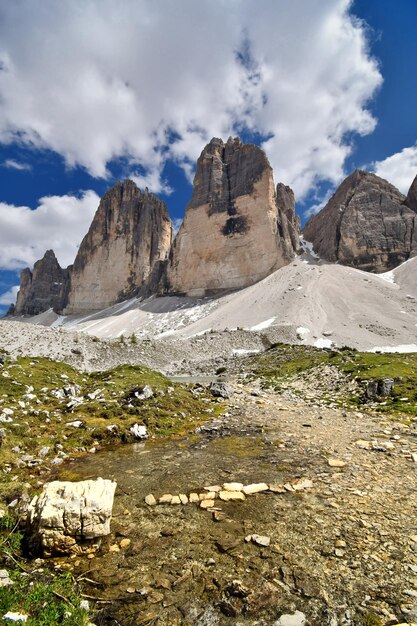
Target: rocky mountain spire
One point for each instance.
(130, 233)
(233, 233)
(44, 288)
(411, 199)
(365, 224)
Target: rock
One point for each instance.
(231, 495)
(411, 199)
(232, 209)
(125, 543)
(255, 488)
(12, 616)
(221, 390)
(143, 393)
(379, 388)
(5, 580)
(150, 500)
(66, 513)
(130, 235)
(166, 498)
(296, 619)
(183, 498)
(194, 497)
(365, 225)
(139, 431)
(277, 488)
(43, 288)
(232, 487)
(175, 500)
(303, 483)
(336, 463)
(207, 504)
(208, 495)
(260, 540)
(225, 544)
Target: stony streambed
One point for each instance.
(342, 551)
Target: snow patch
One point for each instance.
(388, 276)
(403, 348)
(242, 351)
(323, 343)
(264, 324)
(303, 331)
(307, 247)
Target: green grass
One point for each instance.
(43, 419)
(284, 362)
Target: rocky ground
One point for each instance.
(340, 521)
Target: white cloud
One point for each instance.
(12, 164)
(101, 79)
(399, 169)
(59, 222)
(8, 297)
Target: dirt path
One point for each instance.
(341, 549)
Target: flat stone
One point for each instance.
(336, 463)
(165, 499)
(175, 500)
(150, 500)
(231, 495)
(209, 495)
(232, 487)
(206, 504)
(183, 498)
(277, 488)
(194, 497)
(255, 488)
(215, 488)
(303, 483)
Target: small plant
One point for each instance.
(133, 339)
(122, 339)
(371, 619)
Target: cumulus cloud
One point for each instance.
(8, 297)
(399, 169)
(155, 81)
(59, 222)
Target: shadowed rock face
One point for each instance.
(234, 231)
(131, 233)
(411, 200)
(366, 224)
(44, 288)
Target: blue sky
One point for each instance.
(92, 92)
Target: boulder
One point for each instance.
(379, 388)
(366, 224)
(235, 231)
(68, 514)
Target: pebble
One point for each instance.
(194, 497)
(125, 543)
(183, 498)
(231, 495)
(297, 619)
(209, 495)
(15, 617)
(150, 500)
(255, 488)
(336, 463)
(259, 540)
(175, 500)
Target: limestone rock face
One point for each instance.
(233, 233)
(66, 513)
(44, 288)
(130, 235)
(411, 200)
(366, 224)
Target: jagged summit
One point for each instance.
(366, 224)
(233, 233)
(130, 233)
(411, 199)
(43, 288)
